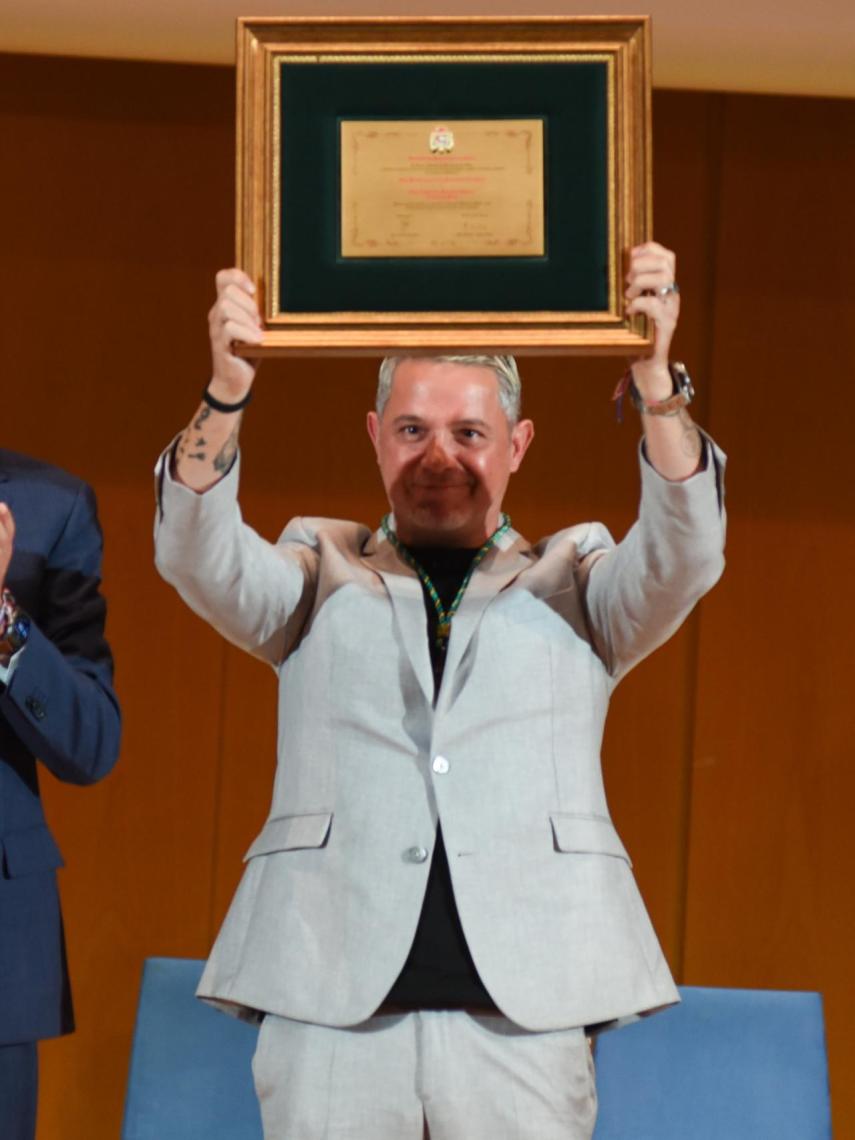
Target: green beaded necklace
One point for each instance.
(444, 616)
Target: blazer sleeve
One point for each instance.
(639, 592)
(254, 592)
(59, 701)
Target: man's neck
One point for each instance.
(471, 538)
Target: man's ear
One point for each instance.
(521, 436)
(372, 423)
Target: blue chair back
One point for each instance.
(723, 1065)
(190, 1075)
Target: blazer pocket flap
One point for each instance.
(291, 832)
(587, 834)
(29, 852)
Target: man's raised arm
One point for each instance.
(246, 587)
(208, 445)
(672, 442)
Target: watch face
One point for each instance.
(19, 631)
(682, 381)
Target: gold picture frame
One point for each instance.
(299, 78)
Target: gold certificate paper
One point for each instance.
(457, 188)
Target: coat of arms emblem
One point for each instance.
(441, 140)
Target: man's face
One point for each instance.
(446, 451)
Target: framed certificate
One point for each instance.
(435, 185)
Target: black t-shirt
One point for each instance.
(439, 972)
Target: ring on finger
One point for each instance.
(666, 289)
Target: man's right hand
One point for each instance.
(233, 317)
(208, 446)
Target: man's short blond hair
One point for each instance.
(504, 367)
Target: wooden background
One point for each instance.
(729, 755)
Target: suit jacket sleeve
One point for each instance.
(639, 592)
(60, 702)
(254, 592)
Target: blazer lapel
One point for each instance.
(405, 592)
(509, 558)
(498, 569)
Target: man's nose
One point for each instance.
(438, 453)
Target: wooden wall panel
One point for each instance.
(119, 207)
(771, 861)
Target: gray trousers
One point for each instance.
(443, 1075)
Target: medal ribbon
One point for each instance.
(444, 616)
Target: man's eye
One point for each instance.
(471, 433)
(410, 430)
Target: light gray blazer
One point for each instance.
(325, 913)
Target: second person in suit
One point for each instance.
(58, 712)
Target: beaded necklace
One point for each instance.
(444, 616)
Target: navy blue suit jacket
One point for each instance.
(59, 706)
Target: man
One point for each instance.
(56, 704)
(439, 905)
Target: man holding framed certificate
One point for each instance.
(439, 910)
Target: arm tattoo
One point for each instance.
(204, 412)
(183, 450)
(224, 458)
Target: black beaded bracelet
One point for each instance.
(219, 406)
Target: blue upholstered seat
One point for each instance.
(724, 1065)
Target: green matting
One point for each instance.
(571, 99)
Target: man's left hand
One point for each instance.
(651, 289)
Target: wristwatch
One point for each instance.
(14, 627)
(682, 395)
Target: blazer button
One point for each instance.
(440, 765)
(416, 854)
(36, 707)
